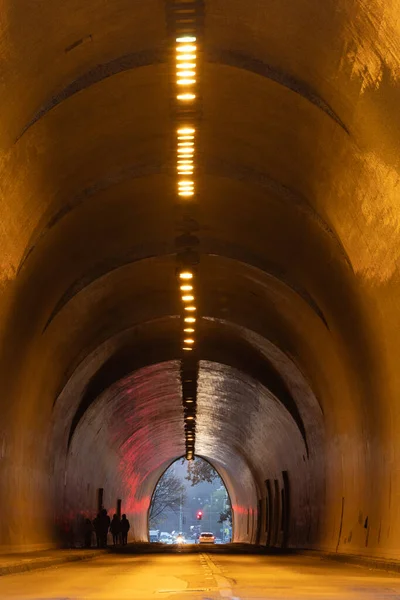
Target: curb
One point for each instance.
(367, 562)
(45, 563)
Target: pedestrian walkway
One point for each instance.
(29, 561)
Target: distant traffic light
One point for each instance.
(199, 515)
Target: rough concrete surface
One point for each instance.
(298, 228)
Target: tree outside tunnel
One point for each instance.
(190, 497)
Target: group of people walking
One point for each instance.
(102, 524)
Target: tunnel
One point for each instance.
(267, 187)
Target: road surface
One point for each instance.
(201, 574)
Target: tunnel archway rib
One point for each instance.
(214, 168)
(215, 345)
(152, 57)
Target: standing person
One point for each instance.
(97, 529)
(125, 527)
(115, 529)
(104, 527)
(88, 530)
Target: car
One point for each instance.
(206, 538)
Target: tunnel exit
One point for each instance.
(190, 504)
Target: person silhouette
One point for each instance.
(115, 529)
(104, 527)
(125, 526)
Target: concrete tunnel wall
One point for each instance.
(299, 242)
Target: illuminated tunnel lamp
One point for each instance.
(186, 130)
(186, 39)
(188, 298)
(186, 81)
(186, 287)
(186, 48)
(190, 308)
(189, 341)
(187, 57)
(188, 330)
(190, 320)
(187, 349)
(190, 418)
(185, 275)
(187, 73)
(185, 183)
(185, 66)
(186, 97)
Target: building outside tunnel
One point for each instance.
(201, 260)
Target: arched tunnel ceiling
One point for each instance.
(295, 226)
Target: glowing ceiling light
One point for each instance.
(186, 97)
(185, 194)
(190, 308)
(189, 341)
(187, 144)
(186, 81)
(185, 151)
(187, 298)
(189, 418)
(186, 183)
(186, 130)
(188, 330)
(186, 39)
(185, 66)
(187, 57)
(186, 48)
(187, 349)
(190, 319)
(186, 275)
(185, 137)
(186, 74)
(186, 288)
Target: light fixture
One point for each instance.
(187, 73)
(185, 39)
(186, 48)
(186, 130)
(186, 275)
(188, 330)
(189, 341)
(190, 308)
(190, 418)
(186, 288)
(187, 298)
(190, 319)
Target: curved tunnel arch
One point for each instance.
(298, 237)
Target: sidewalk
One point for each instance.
(21, 562)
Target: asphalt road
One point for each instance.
(201, 574)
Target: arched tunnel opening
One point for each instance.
(199, 232)
(190, 504)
